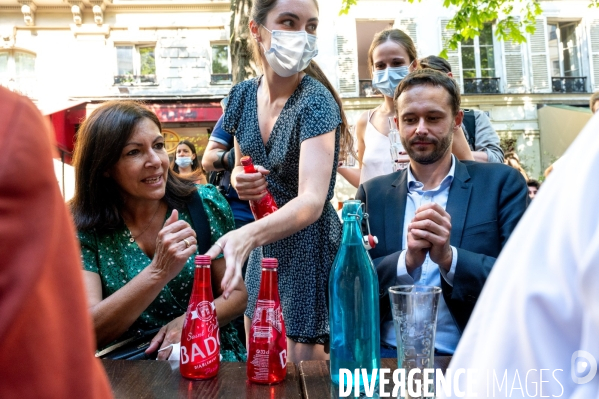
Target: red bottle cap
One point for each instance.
(247, 160)
(203, 260)
(270, 263)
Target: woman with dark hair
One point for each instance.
(138, 233)
(392, 55)
(290, 121)
(186, 162)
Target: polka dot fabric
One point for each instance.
(117, 261)
(305, 258)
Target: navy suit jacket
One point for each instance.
(486, 201)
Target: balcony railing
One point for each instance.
(134, 80)
(220, 78)
(481, 85)
(568, 84)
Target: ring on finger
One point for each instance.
(187, 243)
(221, 247)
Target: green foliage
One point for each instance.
(346, 5)
(220, 59)
(148, 63)
(472, 15)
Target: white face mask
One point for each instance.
(387, 80)
(290, 52)
(183, 162)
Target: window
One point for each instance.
(17, 71)
(221, 67)
(478, 55)
(564, 51)
(135, 65)
(478, 63)
(565, 58)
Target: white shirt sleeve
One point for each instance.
(403, 278)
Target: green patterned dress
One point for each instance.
(117, 261)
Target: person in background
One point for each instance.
(537, 318)
(186, 162)
(46, 336)
(392, 55)
(138, 239)
(219, 160)
(290, 121)
(476, 126)
(594, 102)
(512, 159)
(533, 188)
(440, 222)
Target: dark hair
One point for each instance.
(394, 35)
(100, 140)
(593, 100)
(533, 183)
(432, 78)
(260, 10)
(195, 164)
(436, 63)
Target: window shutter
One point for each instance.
(593, 40)
(514, 67)
(454, 57)
(539, 58)
(347, 60)
(409, 27)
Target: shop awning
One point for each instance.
(188, 112)
(49, 108)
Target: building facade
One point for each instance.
(70, 55)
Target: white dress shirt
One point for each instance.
(541, 302)
(429, 273)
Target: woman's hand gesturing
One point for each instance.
(176, 242)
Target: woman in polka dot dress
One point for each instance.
(290, 122)
(137, 237)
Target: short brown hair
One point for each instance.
(434, 78)
(435, 62)
(593, 100)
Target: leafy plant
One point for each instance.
(472, 15)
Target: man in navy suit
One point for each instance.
(439, 222)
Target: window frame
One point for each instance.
(214, 81)
(477, 56)
(560, 49)
(137, 75)
(12, 79)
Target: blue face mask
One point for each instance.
(387, 80)
(183, 162)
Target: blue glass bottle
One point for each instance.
(353, 302)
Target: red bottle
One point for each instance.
(267, 352)
(267, 204)
(200, 340)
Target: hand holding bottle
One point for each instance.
(252, 186)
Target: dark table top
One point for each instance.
(155, 379)
(316, 379)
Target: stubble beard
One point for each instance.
(441, 146)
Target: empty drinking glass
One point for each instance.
(414, 309)
(397, 151)
(349, 161)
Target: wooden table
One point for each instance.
(155, 379)
(316, 380)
